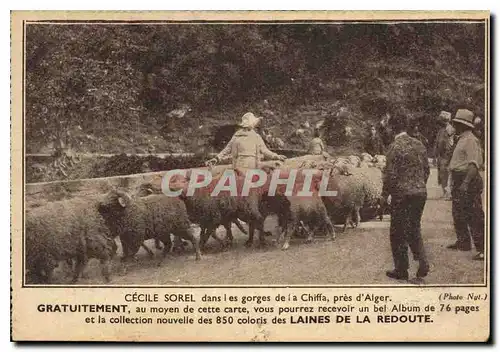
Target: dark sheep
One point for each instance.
(68, 230)
(137, 219)
(207, 211)
(202, 211)
(210, 212)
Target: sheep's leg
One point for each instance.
(282, 227)
(262, 233)
(357, 217)
(281, 236)
(351, 220)
(157, 243)
(105, 268)
(178, 245)
(48, 270)
(148, 250)
(124, 260)
(222, 243)
(257, 223)
(71, 266)
(348, 219)
(309, 238)
(81, 258)
(203, 237)
(130, 248)
(295, 225)
(269, 233)
(380, 210)
(128, 253)
(69, 262)
(188, 235)
(81, 261)
(229, 235)
(167, 247)
(329, 226)
(288, 234)
(251, 231)
(240, 226)
(209, 232)
(217, 238)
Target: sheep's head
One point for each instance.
(366, 157)
(341, 161)
(379, 159)
(146, 189)
(114, 201)
(341, 166)
(326, 165)
(268, 169)
(354, 160)
(178, 182)
(181, 182)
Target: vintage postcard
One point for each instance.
(250, 176)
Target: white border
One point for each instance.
(493, 6)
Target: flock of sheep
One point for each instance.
(75, 230)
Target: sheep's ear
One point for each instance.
(268, 168)
(122, 201)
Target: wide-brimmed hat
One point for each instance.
(465, 117)
(249, 120)
(445, 116)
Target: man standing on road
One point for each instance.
(405, 180)
(384, 130)
(467, 186)
(443, 149)
(373, 144)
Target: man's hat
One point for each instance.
(249, 120)
(465, 117)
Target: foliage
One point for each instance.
(93, 84)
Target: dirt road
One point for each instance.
(357, 257)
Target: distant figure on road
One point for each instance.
(384, 130)
(246, 146)
(467, 186)
(336, 129)
(479, 130)
(316, 146)
(443, 150)
(373, 144)
(405, 180)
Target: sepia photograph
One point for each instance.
(391, 115)
(258, 176)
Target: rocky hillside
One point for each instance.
(110, 88)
